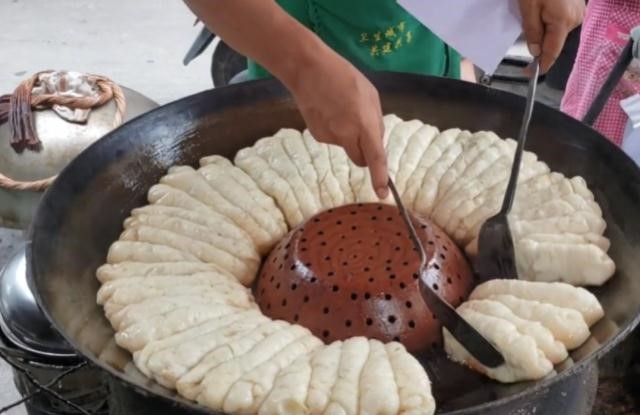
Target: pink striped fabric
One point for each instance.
(605, 31)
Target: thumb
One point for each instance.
(532, 25)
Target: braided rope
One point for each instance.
(8, 183)
(17, 110)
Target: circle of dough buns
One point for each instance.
(175, 284)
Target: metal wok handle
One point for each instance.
(630, 51)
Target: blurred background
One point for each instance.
(138, 44)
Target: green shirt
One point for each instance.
(376, 35)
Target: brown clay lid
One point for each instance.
(352, 271)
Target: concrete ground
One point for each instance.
(139, 44)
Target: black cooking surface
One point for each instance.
(606, 392)
(72, 231)
(612, 398)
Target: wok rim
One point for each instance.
(270, 88)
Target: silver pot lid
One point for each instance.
(21, 320)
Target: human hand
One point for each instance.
(341, 107)
(547, 23)
(338, 103)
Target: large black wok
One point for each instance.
(81, 215)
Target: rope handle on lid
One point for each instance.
(17, 110)
(8, 183)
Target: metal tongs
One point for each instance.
(463, 332)
(496, 252)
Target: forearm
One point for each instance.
(339, 105)
(263, 31)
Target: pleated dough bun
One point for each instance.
(532, 324)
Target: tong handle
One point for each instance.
(474, 342)
(409, 223)
(611, 82)
(510, 192)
